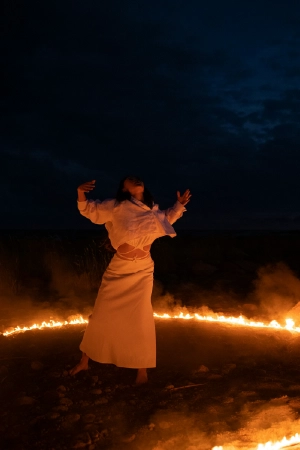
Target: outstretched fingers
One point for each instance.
(87, 186)
(185, 197)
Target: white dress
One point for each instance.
(121, 329)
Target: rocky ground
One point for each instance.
(213, 385)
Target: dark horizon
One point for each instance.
(205, 97)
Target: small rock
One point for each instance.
(60, 408)
(53, 415)
(103, 434)
(36, 365)
(164, 425)
(129, 438)
(98, 420)
(294, 387)
(228, 368)
(96, 391)
(214, 376)
(151, 426)
(66, 401)
(228, 400)
(84, 403)
(202, 369)
(55, 374)
(82, 440)
(170, 386)
(212, 410)
(88, 418)
(61, 388)
(247, 393)
(70, 420)
(91, 428)
(26, 400)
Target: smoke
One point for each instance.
(275, 296)
(257, 422)
(48, 275)
(54, 277)
(162, 301)
(261, 422)
(57, 293)
(276, 291)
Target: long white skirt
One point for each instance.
(121, 329)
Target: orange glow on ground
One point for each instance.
(183, 315)
(284, 443)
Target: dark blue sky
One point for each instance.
(186, 94)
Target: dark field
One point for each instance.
(213, 385)
(256, 274)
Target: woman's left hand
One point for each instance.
(184, 198)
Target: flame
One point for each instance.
(51, 324)
(271, 445)
(238, 321)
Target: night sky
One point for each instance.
(186, 94)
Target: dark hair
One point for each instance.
(121, 195)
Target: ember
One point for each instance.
(237, 321)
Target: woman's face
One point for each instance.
(133, 185)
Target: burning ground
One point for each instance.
(215, 384)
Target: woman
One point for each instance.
(121, 328)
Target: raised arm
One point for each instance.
(83, 188)
(95, 210)
(176, 211)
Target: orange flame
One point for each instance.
(284, 443)
(238, 321)
(51, 324)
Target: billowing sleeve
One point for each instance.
(175, 212)
(97, 211)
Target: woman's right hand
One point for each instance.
(87, 186)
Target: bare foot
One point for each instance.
(82, 365)
(141, 377)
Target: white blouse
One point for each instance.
(131, 219)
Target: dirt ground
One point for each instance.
(214, 385)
